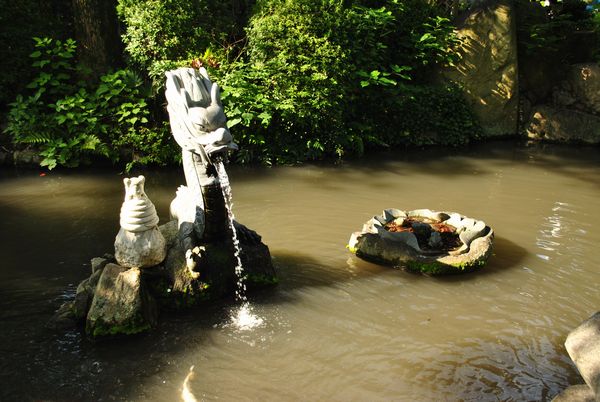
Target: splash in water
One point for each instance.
(242, 318)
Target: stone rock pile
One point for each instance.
(150, 272)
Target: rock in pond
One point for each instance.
(424, 241)
(583, 346)
(576, 393)
(121, 304)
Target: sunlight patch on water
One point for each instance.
(186, 393)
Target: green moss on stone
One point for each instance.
(135, 326)
(192, 295)
(261, 280)
(438, 268)
(119, 330)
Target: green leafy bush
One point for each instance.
(307, 79)
(301, 80)
(20, 21)
(161, 29)
(162, 34)
(566, 32)
(55, 116)
(295, 75)
(311, 87)
(69, 120)
(438, 115)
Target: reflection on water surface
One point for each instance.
(336, 328)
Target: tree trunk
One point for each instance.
(97, 34)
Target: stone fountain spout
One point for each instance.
(201, 254)
(199, 126)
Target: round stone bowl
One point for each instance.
(424, 241)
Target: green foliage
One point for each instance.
(294, 83)
(414, 33)
(437, 43)
(311, 87)
(168, 31)
(438, 268)
(121, 101)
(301, 80)
(70, 120)
(161, 29)
(566, 32)
(20, 21)
(55, 117)
(298, 87)
(437, 115)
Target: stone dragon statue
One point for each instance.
(198, 124)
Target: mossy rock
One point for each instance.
(386, 252)
(121, 304)
(214, 275)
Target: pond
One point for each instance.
(336, 328)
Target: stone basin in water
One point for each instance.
(424, 241)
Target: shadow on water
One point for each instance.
(447, 162)
(57, 365)
(301, 271)
(506, 256)
(65, 365)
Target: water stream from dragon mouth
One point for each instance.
(242, 316)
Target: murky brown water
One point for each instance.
(336, 328)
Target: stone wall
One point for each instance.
(548, 105)
(572, 114)
(488, 70)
